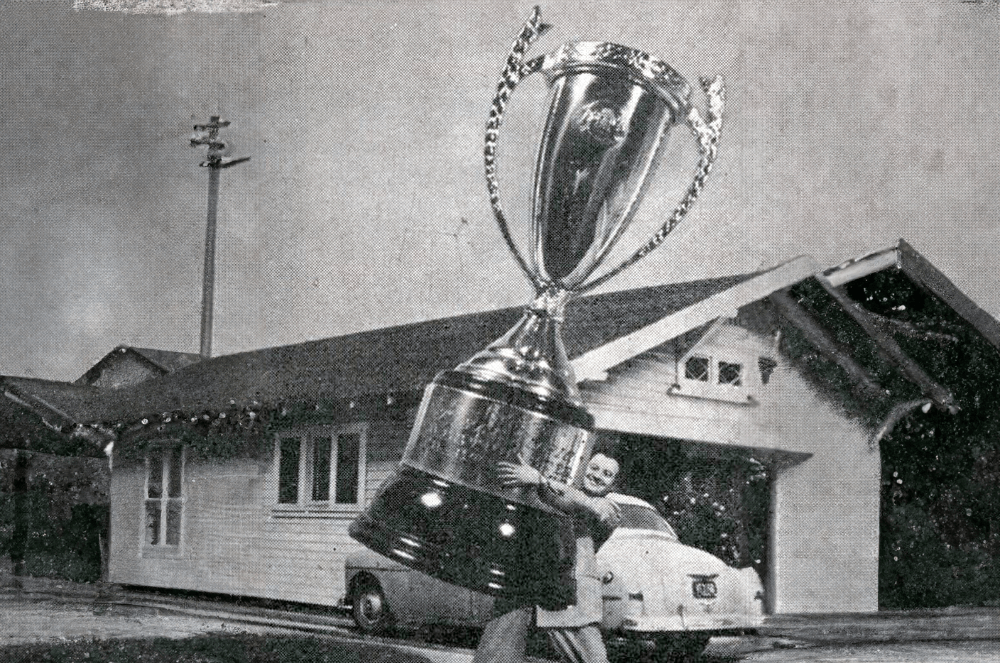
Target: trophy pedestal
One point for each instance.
(461, 540)
(445, 512)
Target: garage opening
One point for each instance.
(716, 497)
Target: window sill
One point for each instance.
(328, 512)
(735, 395)
(161, 552)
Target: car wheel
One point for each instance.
(370, 609)
(681, 646)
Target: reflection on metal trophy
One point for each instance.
(445, 512)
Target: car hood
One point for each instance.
(661, 551)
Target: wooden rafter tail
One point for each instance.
(824, 343)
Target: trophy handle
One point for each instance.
(515, 70)
(707, 133)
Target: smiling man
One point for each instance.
(573, 631)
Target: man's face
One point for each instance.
(600, 474)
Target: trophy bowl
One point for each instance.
(445, 512)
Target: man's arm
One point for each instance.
(556, 494)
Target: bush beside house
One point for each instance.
(53, 515)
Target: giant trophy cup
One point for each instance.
(445, 512)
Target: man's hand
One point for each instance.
(606, 511)
(518, 474)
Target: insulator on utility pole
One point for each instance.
(208, 135)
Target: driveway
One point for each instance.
(32, 618)
(903, 652)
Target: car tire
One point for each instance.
(369, 608)
(681, 646)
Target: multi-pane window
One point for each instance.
(700, 368)
(730, 373)
(321, 466)
(164, 501)
(696, 368)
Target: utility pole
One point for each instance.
(208, 134)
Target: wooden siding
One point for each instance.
(234, 539)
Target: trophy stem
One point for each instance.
(531, 356)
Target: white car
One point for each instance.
(656, 589)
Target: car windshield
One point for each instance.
(635, 516)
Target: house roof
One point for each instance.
(899, 328)
(59, 403)
(166, 361)
(595, 363)
(42, 415)
(920, 271)
(391, 360)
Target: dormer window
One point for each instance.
(709, 376)
(696, 368)
(730, 374)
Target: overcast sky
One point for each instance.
(849, 125)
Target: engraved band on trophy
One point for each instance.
(445, 512)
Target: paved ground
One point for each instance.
(56, 621)
(50, 611)
(906, 652)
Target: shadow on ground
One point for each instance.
(540, 650)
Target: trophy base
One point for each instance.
(471, 538)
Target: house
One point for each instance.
(215, 484)
(241, 473)
(126, 366)
(848, 359)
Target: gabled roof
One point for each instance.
(168, 360)
(164, 361)
(922, 272)
(899, 332)
(393, 360)
(594, 364)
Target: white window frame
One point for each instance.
(161, 547)
(304, 504)
(712, 388)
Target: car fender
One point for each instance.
(415, 598)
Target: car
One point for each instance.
(657, 591)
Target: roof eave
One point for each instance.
(595, 364)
